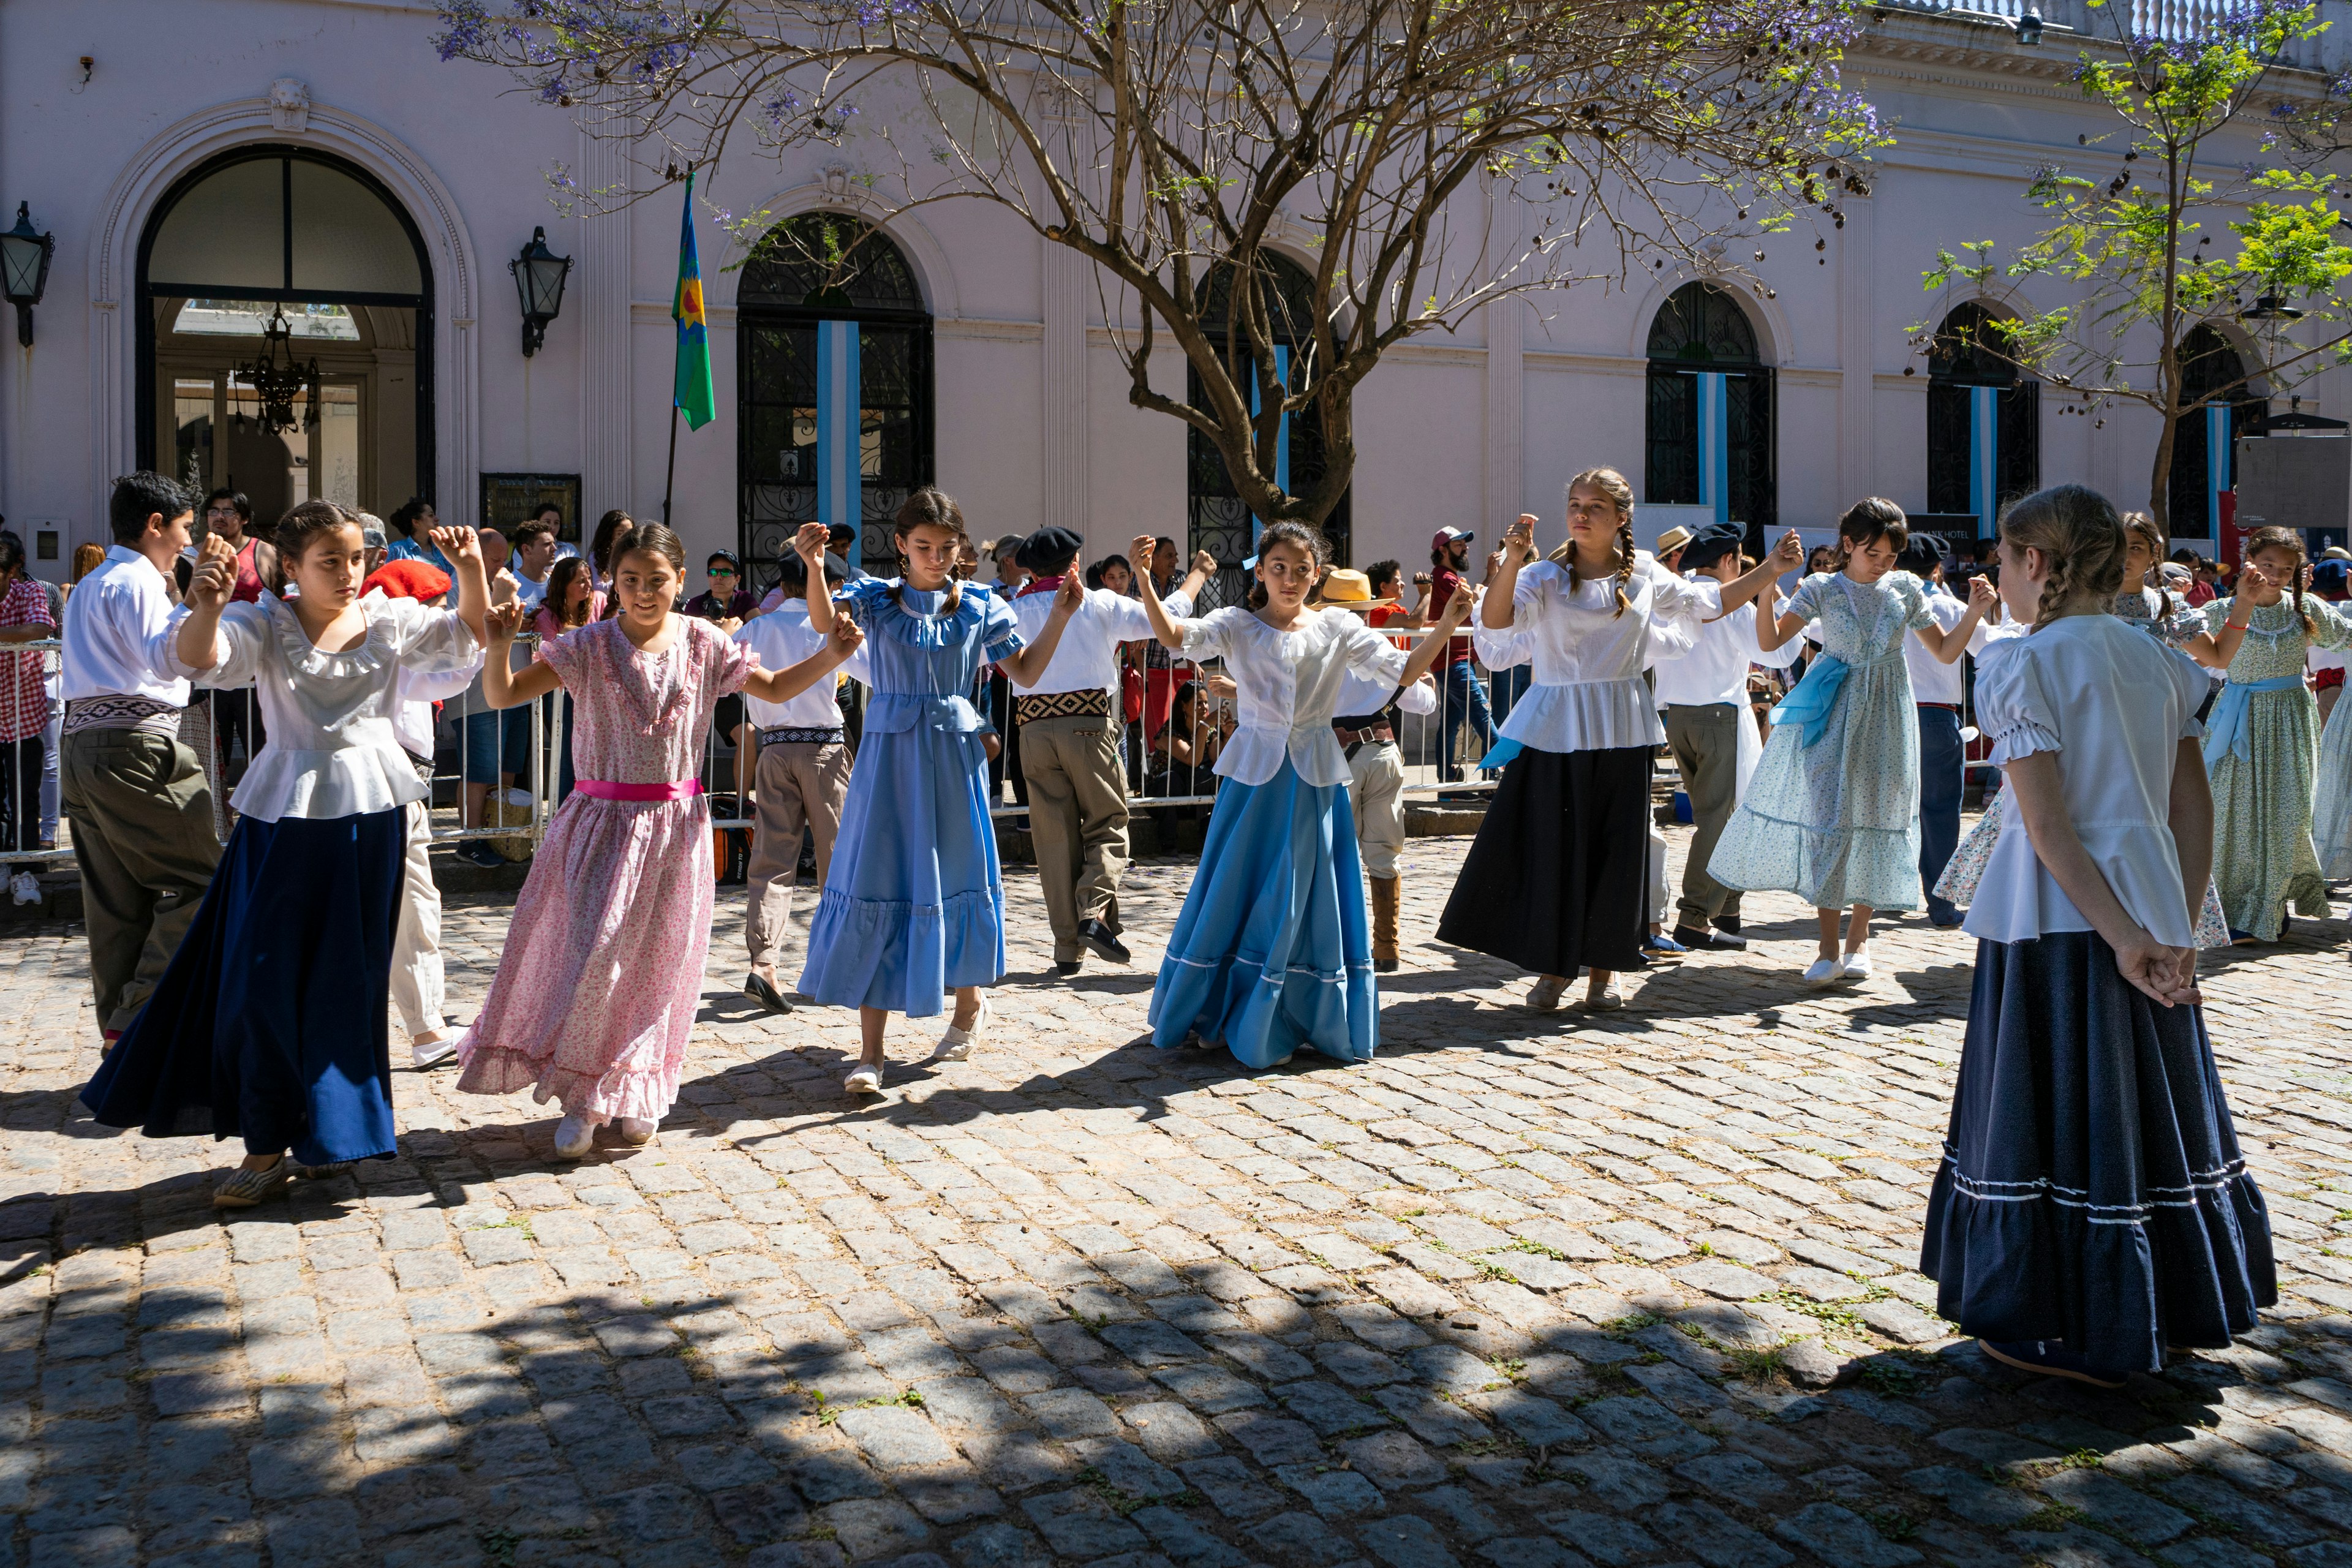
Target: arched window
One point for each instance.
(834, 387)
(2204, 445)
(1709, 438)
(274, 254)
(1984, 420)
(1220, 524)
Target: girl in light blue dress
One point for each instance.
(1272, 950)
(1833, 814)
(913, 904)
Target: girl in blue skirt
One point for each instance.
(269, 1021)
(2092, 1210)
(1272, 950)
(913, 904)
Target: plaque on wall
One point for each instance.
(511, 499)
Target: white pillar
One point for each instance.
(1068, 284)
(1857, 313)
(601, 284)
(1506, 403)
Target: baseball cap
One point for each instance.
(1444, 537)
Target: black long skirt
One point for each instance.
(1557, 878)
(2092, 1191)
(269, 1023)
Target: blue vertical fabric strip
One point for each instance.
(1281, 427)
(1984, 458)
(837, 424)
(1714, 446)
(2217, 465)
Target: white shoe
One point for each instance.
(426, 1054)
(1609, 1001)
(1824, 972)
(575, 1136)
(957, 1045)
(1855, 966)
(635, 1131)
(1544, 995)
(24, 887)
(866, 1077)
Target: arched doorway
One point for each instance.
(1220, 524)
(834, 368)
(1709, 429)
(1984, 420)
(2204, 443)
(294, 257)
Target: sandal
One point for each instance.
(245, 1189)
(866, 1077)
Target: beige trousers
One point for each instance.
(801, 790)
(1376, 791)
(417, 978)
(1078, 821)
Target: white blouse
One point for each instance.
(1290, 687)
(2115, 704)
(1588, 694)
(334, 749)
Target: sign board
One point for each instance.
(510, 499)
(2293, 482)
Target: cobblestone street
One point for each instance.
(1525, 1292)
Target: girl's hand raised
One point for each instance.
(847, 636)
(1983, 596)
(501, 622)
(216, 575)
(809, 544)
(1072, 593)
(1139, 553)
(1789, 554)
(1521, 536)
(457, 544)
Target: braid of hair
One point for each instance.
(2310, 622)
(2056, 590)
(1624, 564)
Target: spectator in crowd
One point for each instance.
(25, 616)
(141, 809)
(610, 529)
(571, 601)
(1185, 752)
(412, 526)
(86, 558)
(237, 714)
(375, 545)
(551, 514)
(1463, 696)
(495, 558)
(727, 605)
(495, 746)
(841, 540)
(1009, 577)
(2204, 580)
(531, 555)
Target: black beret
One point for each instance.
(1711, 544)
(1047, 548)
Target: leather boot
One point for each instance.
(1384, 923)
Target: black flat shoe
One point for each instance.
(765, 994)
(1066, 967)
(1709, 940)
(1102, 942)
(1727, 924)
(1385, 965)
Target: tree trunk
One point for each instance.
(2159, 487)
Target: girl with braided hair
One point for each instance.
(1556, 880)
(2091, 1209)
(1832, 814)
(2262, 739)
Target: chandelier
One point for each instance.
(277, 384)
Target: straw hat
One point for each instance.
(1674, 539)
(1351, 588)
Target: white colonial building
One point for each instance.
(202, 163)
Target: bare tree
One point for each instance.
(1436, 156)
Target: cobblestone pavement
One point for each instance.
(1526, 1292)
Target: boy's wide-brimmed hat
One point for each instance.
(1347, 586)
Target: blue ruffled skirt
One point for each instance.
(269, 1021)
(1272, 950)
(2092, 1191)
(913, 904)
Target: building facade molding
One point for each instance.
(836, 188)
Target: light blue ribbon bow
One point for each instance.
(2225, 732)
(1809, 702)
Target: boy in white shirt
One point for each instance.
(141, 809)
(804, 771)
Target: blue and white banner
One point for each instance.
(1984, 458)
(839, 425)
(2217, 463)
(1714, 446)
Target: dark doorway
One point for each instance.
(1700, 332)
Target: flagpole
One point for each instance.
(669, 476)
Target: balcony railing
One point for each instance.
(2069, 22)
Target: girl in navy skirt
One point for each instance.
(269, 1024)
(2092, 1210)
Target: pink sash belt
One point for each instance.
(604, 789)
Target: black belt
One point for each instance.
(1370, 734)
(1947, 707)
(792, 735)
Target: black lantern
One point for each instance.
(24, 263)
(539, 275)
(2029, 27)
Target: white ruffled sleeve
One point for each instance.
(2335, 626)
(1368, 654)
(2012, 709)
(2192, 686)
(1502, 648)
(429, 641)
(1210, 636)
(1420, 697)
(240, 641)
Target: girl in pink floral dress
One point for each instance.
(596, 992)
